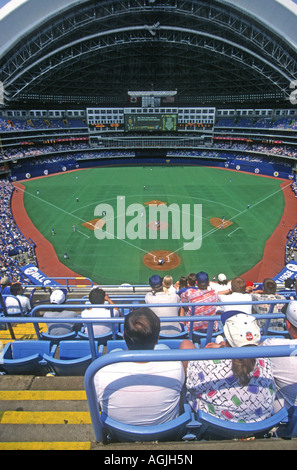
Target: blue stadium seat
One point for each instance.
(101, 339)
(182, 335)
(290, 430)
(211, 427)
(120, 343)
(26, 357)
(18, 305)
(171, 431)
(74, 358)
(198, 337)
(56, 339)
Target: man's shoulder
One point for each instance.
(279, 342)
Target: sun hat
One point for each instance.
(58, 296)
(291, 313)
(241, 329)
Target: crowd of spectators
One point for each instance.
(15, 250)
(239, 390)
(281, 150)
(291, 245)
(34, 151)
(12, 125)
(262, 122)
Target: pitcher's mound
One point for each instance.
(218, 223)
(95, 223)
(171, 260)
(155, 202)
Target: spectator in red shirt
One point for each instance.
(200, 294)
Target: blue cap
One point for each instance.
(202, 278)
(155, 280)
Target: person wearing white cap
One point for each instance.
(238, 390)
(222, 284)
(285, 368)
(58, 297)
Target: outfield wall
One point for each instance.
(29, 169)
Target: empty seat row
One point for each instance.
(41, 357)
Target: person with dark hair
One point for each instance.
(140, 393)
(97, 296)
(181, 285)
(13, 305)
(238, 390)
(269, 293)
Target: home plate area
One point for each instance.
(161, 260)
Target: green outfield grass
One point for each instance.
(221, 193)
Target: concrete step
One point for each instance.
(51, 413)
(44, 413)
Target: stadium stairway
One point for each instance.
(44, 413)
(51, 413)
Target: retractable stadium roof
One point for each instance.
(107, 47)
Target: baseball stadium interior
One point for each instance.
(95, 84)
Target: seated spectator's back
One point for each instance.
(269, 293)
(239, 390)
(237, 293)
(141, 393)
(201, 293)
(285, 368)
(12, 304)
(58, 297)
(158, 296)
(97, 296)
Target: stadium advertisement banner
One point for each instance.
(37, 277)
(289, 272)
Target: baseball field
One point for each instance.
(114, 225)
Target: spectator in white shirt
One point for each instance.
(222, 284)
(285, 368)
(141, 393)
(237, 293)
(20, 306)
(97, 296)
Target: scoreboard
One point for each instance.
(151, 122)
